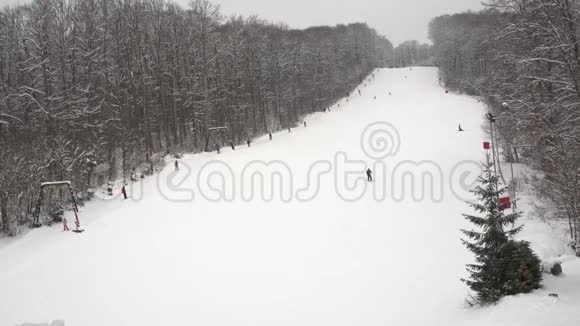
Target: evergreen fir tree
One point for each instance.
(487, 274)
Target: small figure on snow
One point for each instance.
(176, 165)
(289, 130)
(124, 192)
(304, 123)
(460, 129)
(64, 224)
(248, 142)
(133, 175)
(359, 92)
(232, 145)
(369, 175)
(217, 148)
(270, 134)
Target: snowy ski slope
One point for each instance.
(320, 253)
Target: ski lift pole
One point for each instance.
(492, 118)
(512, 181)
(511, 156)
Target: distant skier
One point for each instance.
(110, 188)
(460, 129)
(248, 142)
(270, 134)
(232, 145)
(217, 148)
(289, 130)
(369, 175)
(359, 92)
(64, 224)
(176, 165)
(304, 123)
(133, 175)
(124, 192)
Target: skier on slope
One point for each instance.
(460, 129)
(64, 224)
(176, 165)
(133, 175)
(124, 192)
(369, 175)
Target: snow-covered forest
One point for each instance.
(522, 58)
(89, 85)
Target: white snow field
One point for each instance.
(315, 255)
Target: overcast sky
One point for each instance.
(398, 20)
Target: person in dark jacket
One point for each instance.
(124, 192)
(270, 134)
(176, 165)
(369, 175)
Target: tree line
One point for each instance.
(412, 53)
(89, 85)
(522, 58)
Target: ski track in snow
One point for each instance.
(324, 262)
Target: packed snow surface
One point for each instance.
(328, 249)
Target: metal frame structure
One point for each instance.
(213, 130)
(54, 184)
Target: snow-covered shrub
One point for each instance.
(556, 269)
(522, 269)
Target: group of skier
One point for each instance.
(217, 148)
